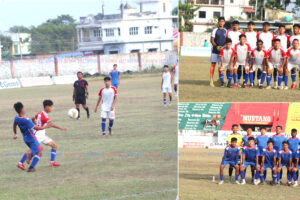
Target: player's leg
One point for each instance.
(252, 172)
(251, 76)
(289, 176)
(237, 173)
(295, 177)
(170, 95)
(221, 75)
(239, 74)
(104, 116)
(246, 76)
(242, 172)
(280, 78)
(269, 78)
(256, 179)
(230, 171)
(230, 76)
(286, 78)
(53, 146)
(275, 75)
(78, 109)
(258, 76)
(20, 164)
(263, 76)
(293, 77)
(212, 71)
(175, 88)
(87, 110)
(36, 152)
(221, 173)
(165, 98)
(111, 122)
(261, 175)
(235, 77)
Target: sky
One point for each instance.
(34, 12)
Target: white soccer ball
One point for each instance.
(73, 113)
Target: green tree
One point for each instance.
(187, 13)
(22, 29)
(6, 43)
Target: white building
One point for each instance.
(210, 10)
(133, 30)
(21, 43)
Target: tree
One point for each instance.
(187, 13)
(22, 29)
(6, 42)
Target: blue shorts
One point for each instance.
(284, 165)
(246, 164)
(268, 166)
(35, 147)
(215, 58)
(115, 85)
(231, 163)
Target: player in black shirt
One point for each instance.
(80, 94)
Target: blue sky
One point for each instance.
(35, 12)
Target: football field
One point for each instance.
(138, 162)
(197, 168)
(194, 86)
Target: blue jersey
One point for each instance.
(219, 36)
(285, 157)
(114, 77)
(26, 128)
(293, 145)
(250, 153)
(277, 140)
(245, 140)
(269, 156)
(231, 154)
(261, 142)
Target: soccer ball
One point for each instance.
(73, 113)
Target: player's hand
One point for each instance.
(112, 108)
(219, 48)
(64, 129)
(15, 136)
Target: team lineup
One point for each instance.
(250, 54)
(260, 153)
(34, 129)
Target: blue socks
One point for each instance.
(280, 78)
(261, 178)
(234, 78)
(286, 79)
(165, 101)
(263, 77)
(295, 176)
(23, 158)
(246, 78)
(103, 125)
(222, 78)
(242, 174)
(269, 77)
(221, 177)
(230, 76)
(289, 176)
(35, 160)
(236, 177)
(257, 174)
(293, 76)
(111, 123)
(274, 177)
(53, 154)
(170, 99)
(175, 88)
(251, 78)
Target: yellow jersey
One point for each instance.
(238, 137)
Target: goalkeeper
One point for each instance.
(218, 41)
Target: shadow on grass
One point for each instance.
(197, 176)
(195, 82)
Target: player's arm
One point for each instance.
(222, 60)
(243, 159)
(162, 81)
(15, 131)
(262, 161)
(247, 59)
(212, 40)
(279, 161)
(73, 97)
(297, 161)
(291, 166)
(98, 102)
(52, 125)
(86, 91)
(114, 103)
(256, 159)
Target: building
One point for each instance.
(210, 10)
(132, 30)
(21, 43)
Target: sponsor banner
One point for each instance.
(196, 51)
(257, 119)
(68, 79)
(36, 81)
(9, 83)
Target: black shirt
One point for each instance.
(80, 87)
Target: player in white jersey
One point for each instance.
(276, 60)
(41, 119)
(175, 75)
(166, 84)
(251, 35)
(227, 54)
(296, 34)
(293, 63)
(108, 99)
(242, 50)
(258, 56)
(234, 34)
(266, 36)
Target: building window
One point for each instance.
(135, 51)
(152, 50)
(98, 33)
(217, 14)
(202, 14)
(119, 31)
(148, 30)
(109, 32)
(133, 31)
(231, 1)
(113, 52)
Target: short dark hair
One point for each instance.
(221, 18)
(294, 130)
(251, 23)
(270, 141)
(166, 66)
(266, 24)
(281, 25)
(18, 107)
(259, 41)
(250, 138)
(262, 128)
(228, 40)
(277, 40)
(234, 125)
(285, 142)
(235, 22)
(233, 139)
(47, 102)
(79, 72)
(115, 65)
(296, 25)
(279, 126)
(295, 40)
(242, 35)
(107, 78)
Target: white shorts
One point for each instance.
(166, 89)
(42, 137)
(175, 80)
(292, 66)
(108, 114)
(254, 67)
(274, 66)
(215, 58)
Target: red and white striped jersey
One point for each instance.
(227, 55)
(267, 38)
(234, 36)
(276, 56)
(42, 119)
(251, 38)
(107, 95)
(259, 56)
(283, 41)
(241, 52)
(294, 56)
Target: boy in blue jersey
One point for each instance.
(231, 157)
(295, 169)
(294, 142)
(261, 142)
(269, 157)
(27, 128)
(246, 137)
(249, 157)
(115, 76)
(278, 138)
(217, 40)
(285, 159)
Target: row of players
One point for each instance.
(237, 51)
(262, 152)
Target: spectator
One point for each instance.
(205, 43)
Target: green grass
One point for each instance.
(198, 166)
(194, 86)
(137, 162)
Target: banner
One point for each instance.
(9, 83)
(36, 81)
